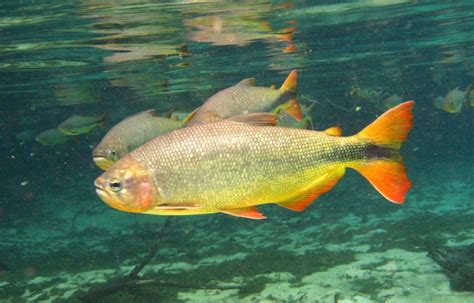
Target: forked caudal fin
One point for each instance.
(389, 131)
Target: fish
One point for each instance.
(77, 125)
(26, 135)
(52, 137)
(129, 134)
(246, 97)
(453, 101)
(232, 166)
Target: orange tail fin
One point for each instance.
(391, 128)
(293, 107)
(290, 82)
(387, 173)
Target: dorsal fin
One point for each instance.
(257, 119)
(248, 82)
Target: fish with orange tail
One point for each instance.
(246, 97)
(234, 165)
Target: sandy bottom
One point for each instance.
(349, 246)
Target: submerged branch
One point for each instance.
(152, 252)
(129, 281)
(132, 280)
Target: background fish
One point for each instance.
(230, 167)
(77, 125)
(26, 135)
(52, 137)
(246, 97)
(129, 134)
(454, 100)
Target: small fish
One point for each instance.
(52, 137)
(26, 135)
(129, 134)
(246, 97)
(231, 167)
(77, 125)
(453, 101)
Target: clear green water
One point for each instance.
(63, 58)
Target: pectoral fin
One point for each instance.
(312, 192)
(250, 212)
(182, 206)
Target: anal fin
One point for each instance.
(321, 186)
(250, 212)
(334, 131)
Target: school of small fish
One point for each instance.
(243, 147)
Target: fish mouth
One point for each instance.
(102, 162)
(99, 189)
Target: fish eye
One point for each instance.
(115, 185)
